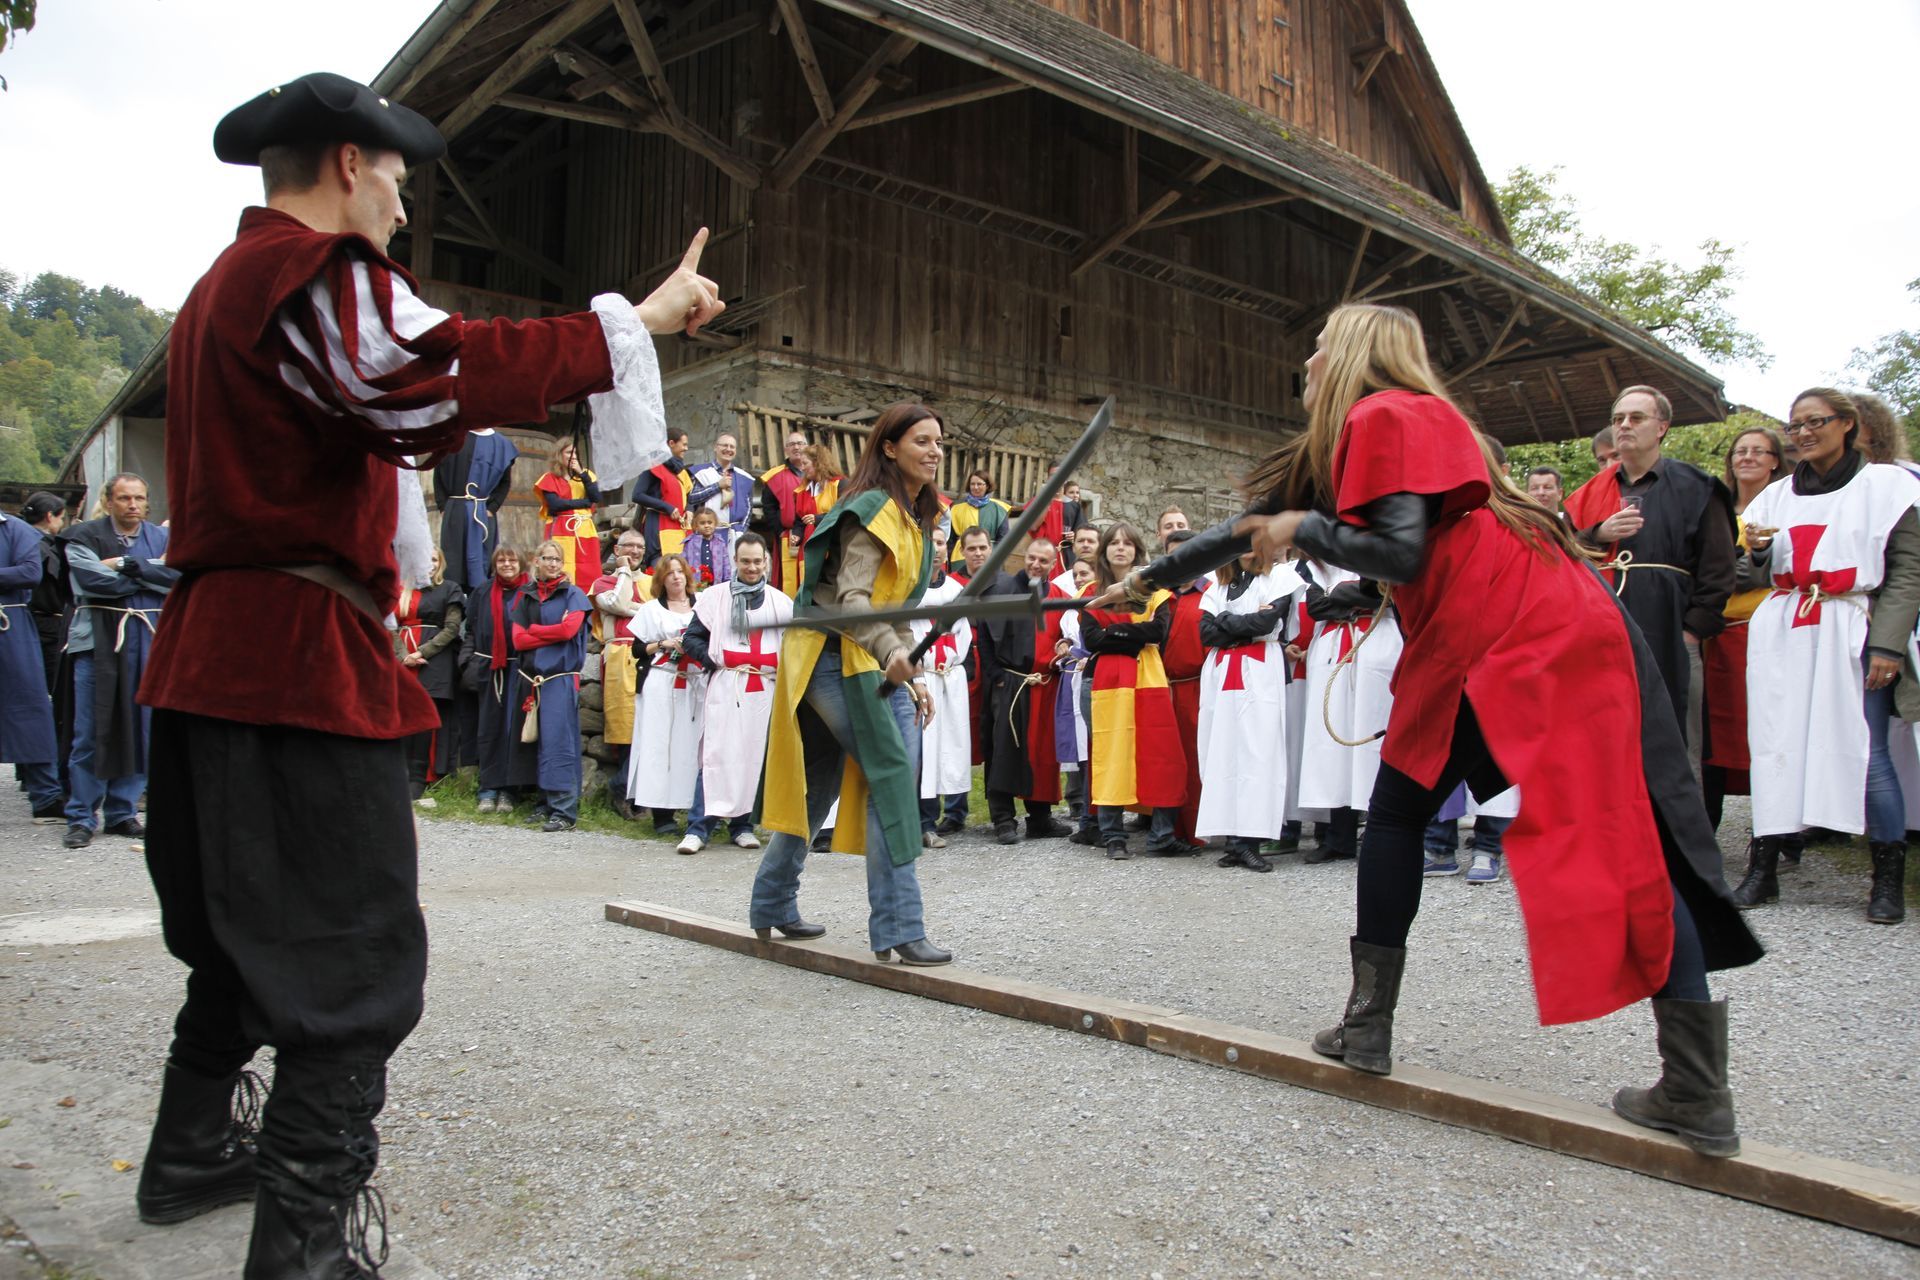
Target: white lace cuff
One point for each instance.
(629, 422)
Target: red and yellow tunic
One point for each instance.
(1133, 741)
(573, 530)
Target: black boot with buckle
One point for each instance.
(315, 1212)
(1692, 1099)
(201, 1153)
(1364, 1038)
(1760, 883)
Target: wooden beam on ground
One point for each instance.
(1138, 219)
(449, 39)
(865, 83)
(1850, 1195)
(651, 71)
(663, 118)
(809, 60)
(937, 101)
(524, 60)
(1220, 210)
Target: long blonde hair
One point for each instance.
(1372, 348)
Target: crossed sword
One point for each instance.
(972, 603)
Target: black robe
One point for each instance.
(120, 740)
(1004, 649)
(498, 694)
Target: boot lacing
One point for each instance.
(249, 1096)
(365, 1207)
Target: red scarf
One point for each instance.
(496, 604)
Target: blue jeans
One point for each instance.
(1113, 825)
(1886, 804)
(120, 795)
(41, 783)
(562, 804)
(1443, 835)
(893, 892)
(700, 825)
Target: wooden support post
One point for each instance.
(1353, 268)
(1445, 282)
(1397, 263)
(1129, 173)
(809, 60)
(865, 83)
(1851, 1195)
(1493, 348)
(676, 49)
(607, 116)
(483, 223)
(420, 226)
(1369, 64)
(1138, 218)
(524, 60)
(663, 119)
(1559, 390)
(1607, 375)
(1513, 389)
(1221, 210)
(937, 101)
(651, 71)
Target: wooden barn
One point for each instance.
(1008, 209)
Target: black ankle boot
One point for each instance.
(1887, 904)
(1364, 1038)
(201, 1153)
(1760, 884)
(1692, 1099)
(315, 1211)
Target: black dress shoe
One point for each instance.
(918, 952)
(1172, 849)
(798, 929)
(1006, 832)
(1323, 854)
(1085, 835)
(822, 843)
(1046, 829)
(1118, 851)
(131, 828)
(77, 837)
(949, 827)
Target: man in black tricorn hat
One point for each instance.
(280, 837)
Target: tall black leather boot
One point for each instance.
(1364, 1038)
(201, 1154)
(1692, 1099)
(1887, 904)
(318, 1148)
(1760, 883)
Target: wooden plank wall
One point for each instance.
(763, 434)
(1289, 58)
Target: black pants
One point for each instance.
(285, 865)
(1393, 851)
(1000, 807)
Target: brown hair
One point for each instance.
(876, 470)
(1103, 573)
(978, 474)
(665, 562)
(559, 447)
(293, 167)
(1372, 348)
(1882, 438)
(1662, 407)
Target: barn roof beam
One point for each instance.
(1171, 219)
(1138, 219)
(516, 68)
(939, 100)
(663, 118)
(448, 40)
(490, 233)
(809, 60)
(866, 82)
(651, 72)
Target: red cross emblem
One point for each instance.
(944, 647)
(752, 656)
(681, 666)
(1348, 633)
(1236, 658)
(1803, 577)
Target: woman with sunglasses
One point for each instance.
(1841, 545)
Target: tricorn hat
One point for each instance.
(323, 107)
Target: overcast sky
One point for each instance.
(1786, 131)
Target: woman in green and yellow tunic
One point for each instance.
(976, 506)
(832, 734)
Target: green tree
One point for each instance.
(1703, 444)
(16, 19)
(1685, 306)
(1891, 367)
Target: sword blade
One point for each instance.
(977, 608)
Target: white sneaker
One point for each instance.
(747, 840)
(690, 844)
(932, 840)
(427, 802)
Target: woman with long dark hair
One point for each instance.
(1520, 669)
(874, 549)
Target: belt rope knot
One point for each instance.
(473, 511)
(530, 728)
(127, 614)
(1623, 563)
(1346, 659)
(1027, 680)
(5, 624)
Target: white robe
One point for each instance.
(1297, 713)
(739, 701)
(1073, 678)
(666, 734)
(1333, 776)
(946, 745)
(1806, 731)
(1243, 718)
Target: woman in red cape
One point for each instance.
(1519, 668)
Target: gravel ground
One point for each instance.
(585, 1099)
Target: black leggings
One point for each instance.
(1393, 852)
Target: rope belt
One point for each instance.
(530, 728)
(474, 510)
(1623, 563)
(1813, 595)
(5, 624)
(1353, 678)
(1027, 681)
(126, 615)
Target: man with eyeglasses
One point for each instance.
(1667, 529)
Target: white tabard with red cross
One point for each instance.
(1242, 734)
(1805, 727)
(739, 696)
(946, 749)
(665, 759)
(1332, 775)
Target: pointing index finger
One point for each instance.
(691, 262)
